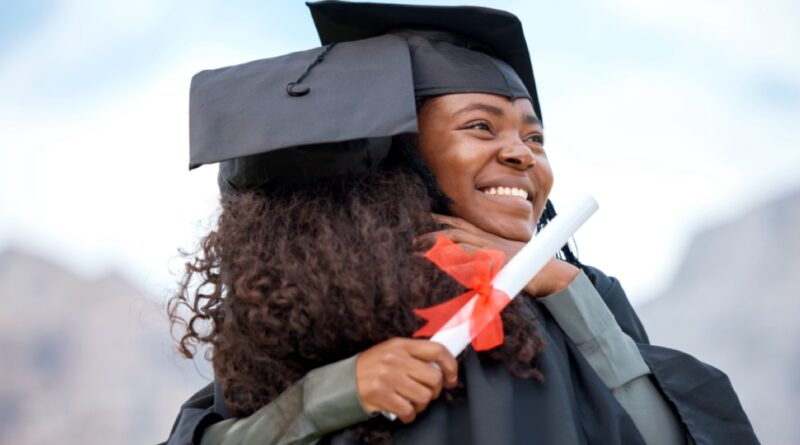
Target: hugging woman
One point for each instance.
(338, 167)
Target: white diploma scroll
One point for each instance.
(519, 271)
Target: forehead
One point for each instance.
(453, 105)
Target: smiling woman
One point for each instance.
(311, 277)
(487, 154)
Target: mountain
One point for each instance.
(735, 303)
(84, 361)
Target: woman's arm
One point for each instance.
(394, 376)
(583, 315)
(325, 400)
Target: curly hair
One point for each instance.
(295, 278)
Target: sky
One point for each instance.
(675, 115)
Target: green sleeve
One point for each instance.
(581, 313)
(325, 400)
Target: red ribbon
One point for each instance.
(474, 272)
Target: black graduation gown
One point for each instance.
(571, 406)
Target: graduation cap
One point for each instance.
(454, 49)
(334, 109)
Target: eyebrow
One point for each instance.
(532, 119)
(496, 111)
(491, 109)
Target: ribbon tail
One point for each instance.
(437, 316)
(491, 336)
(487, 325)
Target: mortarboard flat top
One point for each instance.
(245, 110)
(499, 33)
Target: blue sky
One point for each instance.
(675, 115)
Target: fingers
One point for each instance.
(554, 276)
(432, 352)
(396, 404)
(418, 394)
(403, 375)
(469, 237)
(456, 235)
(453, 221)
(461, 231)
(401, 407)
(426, 374)
(469, 248)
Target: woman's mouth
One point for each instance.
(509, 197)
(506, 191)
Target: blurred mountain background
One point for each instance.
(90, 360)
(735, 304)
(84, 361)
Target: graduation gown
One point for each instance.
(572, 405)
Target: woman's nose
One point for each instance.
(517, 155)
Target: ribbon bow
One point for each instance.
(474, 272)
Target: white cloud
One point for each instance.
(665, 155)
(747, 31)
(72, 34)
(108, 184)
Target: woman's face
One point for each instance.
(487, 155)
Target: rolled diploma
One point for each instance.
(521, 269)
(518, 271)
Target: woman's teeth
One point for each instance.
(507, 191)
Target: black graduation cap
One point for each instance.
(262, 124)
(334, 109)
(449, 44)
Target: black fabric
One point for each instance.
(298, 165)
(710, 419)
(219, 403)
(442, 61)
(447, 63)
(245, 110)
(571, 406)
(195, 416)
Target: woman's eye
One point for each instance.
(479, 126)
(536, 139)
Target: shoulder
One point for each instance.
(195, 415)
(702, 396)
(617, 301)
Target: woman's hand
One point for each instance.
(399, 376)
(554, 276)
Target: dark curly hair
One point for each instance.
(294, 278)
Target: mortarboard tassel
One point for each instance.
(294, 89)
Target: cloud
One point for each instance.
(747, 31)
(665, 154)
(77, 44)
(108, 186)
